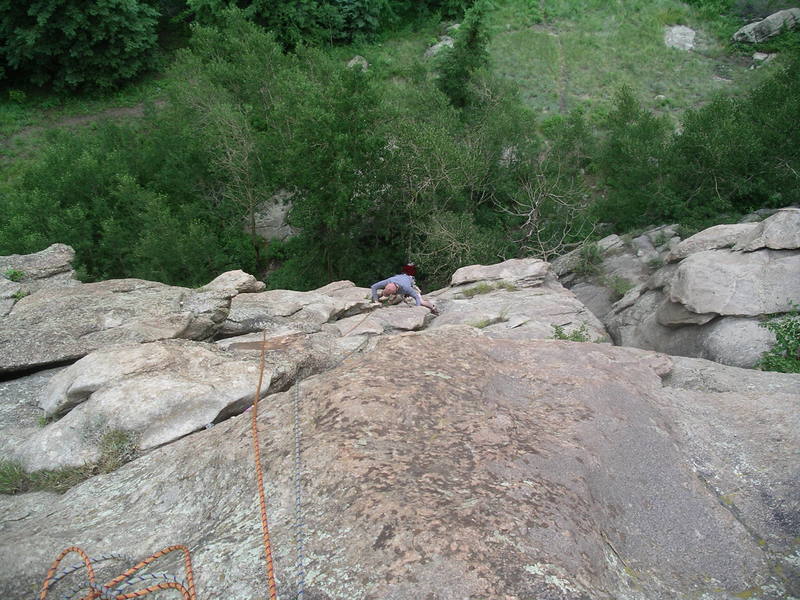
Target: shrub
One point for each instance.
(73, 44)
(590, 259)
(14, 274)
(459, 65)
(581, 334)
(784, 356)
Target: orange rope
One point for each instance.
(262, 501)
(189, 592)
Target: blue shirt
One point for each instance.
(405, 286)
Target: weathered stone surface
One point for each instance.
(271, 217)
(496, 471)
(274, 309)
(713, 238)
(735, 283)
(755, 33)
(160, 392)
(680, 37)
(519, 272)
(237, 280)
(671, 314)
(52, 267)
(781, 231)
(19, 412)
(384, 320)
(730, 422)
(64, 324)
(732, 341)
(526, 313)
(349, 298)
(9, 293)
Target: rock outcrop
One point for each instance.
(710, 304)
(515, 299)
(760, 31)
(475, 467)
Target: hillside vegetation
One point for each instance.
(547, 123)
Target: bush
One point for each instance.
(459, 65)
(784, 356)
(76, 44)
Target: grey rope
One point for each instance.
(298, 507)
(148, 579)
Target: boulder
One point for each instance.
(237, 281)
(518, 272)
(505, 311)
(385, 320)
(56, 325)
(358, 62)
(713, 238)
(445, 41)
(159, 392)
(637, 321)
(680, 37)
(736, 283)
(479, 468)
(271, 217)
(755, 33)
(50, 268)
(274, 309)
(20, 415)
(781, 231)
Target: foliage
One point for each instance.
(734, 155)
(632, 160)
(590, 259)
(580, 334)
(784, 356)
(314, 22)
(72, 44)
(459, 65)
(116, 448)
(618, 285)
(14, 274)
(485, 288)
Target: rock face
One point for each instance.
(710, 303)
(478, 468)
(52, 267)
(771, 26)
(515, 299)
(54, 325)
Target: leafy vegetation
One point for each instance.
(76, 44)
(14, 274)
(447, 162)
(784, 356)
(579, 334)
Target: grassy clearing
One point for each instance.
(579, 53)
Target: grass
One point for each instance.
(590, 259)
(583, 51)
(116, 448)
(14, 274)
(485, 288)
(618, 285)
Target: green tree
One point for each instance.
(459, 65)
(72, 44)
